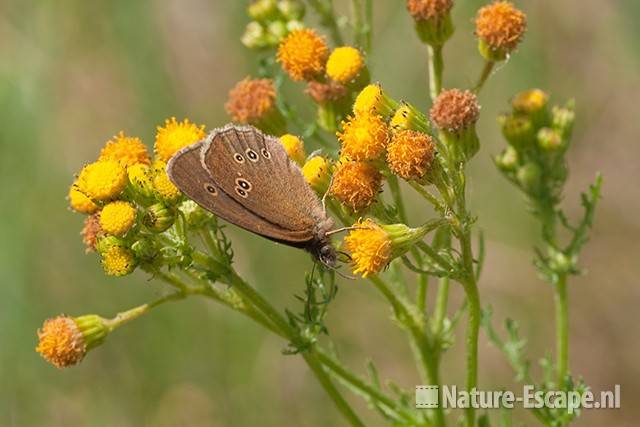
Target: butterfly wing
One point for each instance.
(187, 173)
(256, 172)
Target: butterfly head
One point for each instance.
(323, 251)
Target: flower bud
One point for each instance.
(532, 103)
(255, 36)
(195, 216)
(455, 113)
(263, 10)
(145, 248)
(518, 130)
(529, 177)
(292, 10)
(508, 160)
(64, 340)
(294, 147)
(549, 139)
(276, 31)
(141, 179)
(408, 117)
(562, 119)
(317, 173)
(105, 243)
(158, 218)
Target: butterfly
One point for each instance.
(246, 178)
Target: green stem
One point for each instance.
(486, 72)
(473, 327)
(436, 67)
(394, 186)
(440, 311)
(562, 329)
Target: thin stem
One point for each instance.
(562, 329)
(129, 315)
(486, 72)
(436, 67)
(431, 253)
(356, 18)
(394, 186)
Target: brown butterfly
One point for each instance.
(247, 178)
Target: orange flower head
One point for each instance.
(364, 137)
(356, 184)
(410, 154)
(501, 26)
(303, 54)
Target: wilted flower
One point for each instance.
(253, 101)
(174, 136)
(356, 184)
(303, 54)
(64, 340)
(433, 19)
(410, 154)
(499, 27)
(91, 232)
(455, 113)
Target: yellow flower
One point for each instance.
(162, 185)
(410, 154)
(317, 173)
(294, 148)
(91, 232)
(79, 202)
(499, 27)
(102, 180)
(364, 137)
(126, 150)
(530, 101)
(356, 184)
(372, 100)
(117, 217)
(303, 54)
(141, 179)
(174, 136)
(118, 261)
(344, 64)
(64, 341)
(370, 247)
(373, 246)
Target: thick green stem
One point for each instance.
(440, 311)
(562, 330)
(486, 72)
(436, 67)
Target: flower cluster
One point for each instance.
(272, 20)
(127, 196)
(538, 138)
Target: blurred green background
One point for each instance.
(74, 73)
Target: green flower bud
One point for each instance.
(107, 242)
(507, 161)
(562, 119)
(158, 218)
(518, 130)
(144, 249)
(264, 10)
(254, 36)
(549, 139)
(291, 9)
(294, 25)
(276, 31)
(195, 216)
(529, 177)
